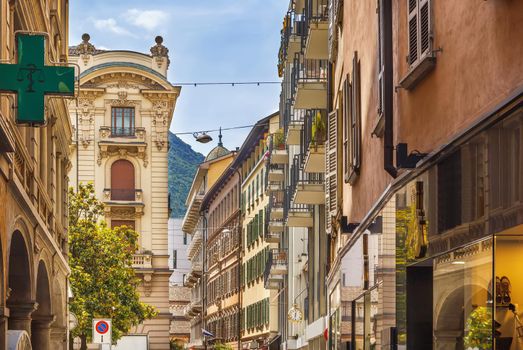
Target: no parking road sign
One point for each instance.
(102, 331)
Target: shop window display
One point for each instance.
(508, 297)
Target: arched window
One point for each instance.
(122, 181)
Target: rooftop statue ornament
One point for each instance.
(160, 52)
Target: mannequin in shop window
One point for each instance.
(508, 332)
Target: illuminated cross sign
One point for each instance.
(31, 79)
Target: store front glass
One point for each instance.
(459, 247)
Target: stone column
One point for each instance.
(58, 338)
(4, 313)
(41, 335)
(20, 315)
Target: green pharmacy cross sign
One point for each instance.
(31, 79)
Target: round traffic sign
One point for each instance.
(101, 327)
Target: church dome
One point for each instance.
(218, 151)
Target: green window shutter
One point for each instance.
(263, 312)
(260, 224)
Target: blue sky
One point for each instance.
(208, 40)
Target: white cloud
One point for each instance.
(149, 19)
(111, 25)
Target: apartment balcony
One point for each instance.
(313, 141)
(127, 141)
(189, 280)
(117, 198)
(275, 268)
(307, 188)
(291, 39)
(195, 245)
(123, 196)
(196, 269)
(277, 151)
(193, 309)
(275, 173)
(310, 82)
(297, 215)
(316, 26)
(142, 261)
(192, 215)
(293, 124)
(276, 204)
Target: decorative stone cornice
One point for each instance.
(123, 151)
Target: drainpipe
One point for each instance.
(388, 135)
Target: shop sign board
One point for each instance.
(31, 79)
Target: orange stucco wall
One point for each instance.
(480, 65)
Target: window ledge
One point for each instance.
(418, 72)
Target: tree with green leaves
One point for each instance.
(102, 279)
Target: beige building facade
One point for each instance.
(221, 207)
(263, 260)
(33, 191)
(121, 123)
(196, 225)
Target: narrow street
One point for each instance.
(261, 175)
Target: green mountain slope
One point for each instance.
(183, 162)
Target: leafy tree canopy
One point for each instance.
(102, 279)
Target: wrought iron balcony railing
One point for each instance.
(293, 29)
(276, 266)
(299, 177)
(290, 207)
(308, 70)
(123, 194)
(315, 11)
(314, 129)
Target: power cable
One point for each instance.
(257, 83)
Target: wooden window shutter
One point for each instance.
(346, 121)
(355, 123)
(413, 31)
(425, 28)
(381, 60)
(331, 167)
(419, 25)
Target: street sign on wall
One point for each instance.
(102, 331)
(31, 79)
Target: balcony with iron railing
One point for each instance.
(275, 225)
(296, 215)
(315, 41)
(291, 35)
(313, 137)
(277, 149)
(275, 268)
(293, 120)
(123, 195)
(306, 188)
(116, 134)
(309, 82)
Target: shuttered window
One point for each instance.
(381, 60)
(331, 167)
(346, 109)
(420, 27)
(355, 122)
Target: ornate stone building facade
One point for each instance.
(121, 123)
(33, 188)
